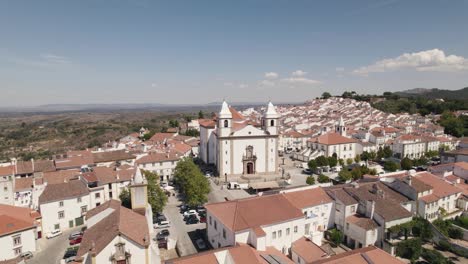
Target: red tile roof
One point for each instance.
(243, 214)
(308, 198)
(308, 250)
(332, 139)
(14, 219)
(365, 255)
(7, 170)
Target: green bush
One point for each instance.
(444, 245)
(310, 180)
(336, 236)
(409, 249)
(323, 178)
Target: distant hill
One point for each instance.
(436, 93)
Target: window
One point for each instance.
(78, 199)
(97, 195)
(273, 235)
(226, 123)
(210, 219)
(61, 214)
(61, 204)
(57, 226)
(280, 233)
(353, 209)
(224, 233)
(215, 225)
(295, 229)
(5, 188)
(272, 123)
(17, 251)
(17, 240)
(347, 225)
(84, 209)
(287, 231)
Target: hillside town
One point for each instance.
(329, 181)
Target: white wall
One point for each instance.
(71, 208)
(28, 243)
(137, 251)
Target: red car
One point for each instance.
(203, 219)
(76, 240)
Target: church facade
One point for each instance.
(238, 146)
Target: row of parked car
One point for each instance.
(74, 239)
(193, 215)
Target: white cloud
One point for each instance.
(339, 69)
(154, 85)
(301, 80)
(44, 60)
(271, 75)
(429, 60)
(243, 85)
(227, 84)
(299, 73)
(267, 83)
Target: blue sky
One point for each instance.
(144, 51)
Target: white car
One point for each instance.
(54, 233)
(163, 224)
(190, 212)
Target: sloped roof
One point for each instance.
(243, 214)
(332, 139)
(361, 256)
(108, 156)
(308, 198)
(7, 170)
(14, 219)
(122, 221)
(62, 191)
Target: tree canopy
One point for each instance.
(191, 182)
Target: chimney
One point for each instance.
(32, 165)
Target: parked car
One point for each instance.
(75, 241)
(70, 259)
(26, 255)
(200, 243)
(202, 219)
(71, 252)
(190, 212)
(163, 234)
(192, 220)
(75, 235)
(184, 208)
(162, 224)
(54, 233)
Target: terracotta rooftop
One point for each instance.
(27, 167)
(14, 219)
(361, 221)
(109, 156)
(308, 198)
(7, 170)
(62, 191)
(308, 250)
(254, 212)
(441, 188)
(332, 139)
(60, 176)
(120, 221)
(365, 255)
(240, 254)
(153, 157)
(160, 137)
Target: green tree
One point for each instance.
(349, 161)
(341, 161)
(173, 123)
(365, 156)
(156, 196)
(357, 159)
(344, 175)
(391, 166)
(434, 257)
(323, 178)
(201, 115)
(336, 236)
(326, 95)
(191, 181)
(321, 161)
(125, 198)
(310, 180)
(312, 165)
(192, 132)
(409, 249)
(406, 163)
(332, 161)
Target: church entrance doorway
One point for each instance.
(250, 168)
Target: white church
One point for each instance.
(238, 146)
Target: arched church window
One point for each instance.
(272, 123)
(226, 123)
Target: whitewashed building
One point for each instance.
(238, 146)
